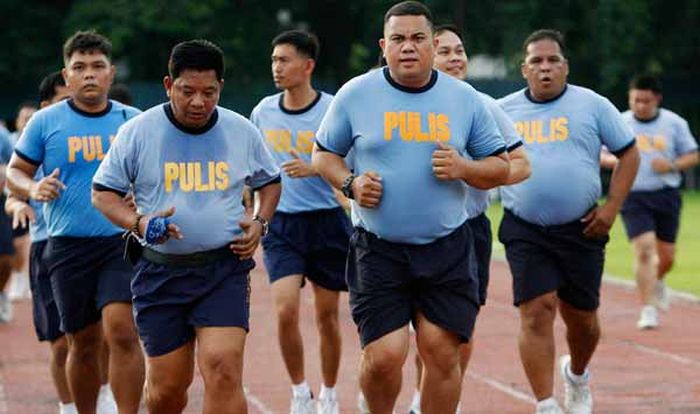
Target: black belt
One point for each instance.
(197, 259)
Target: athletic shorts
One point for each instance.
(170, 302)
(313, 244)
(19, 231)
(44, 311)
(86, 274)
(658, 211)
(390, 282)
(553, 258)
(6, 245)
(483, 241)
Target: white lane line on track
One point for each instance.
(503, 387)
(254, 401)
(661, 354)
(3, 399)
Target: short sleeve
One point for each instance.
(614, 132)
(484, 138)
(505, 125)
(117, 171)
(30, 146)
(685, 141)
(335, 132)
(262, 167)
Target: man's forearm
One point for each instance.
(330, 166)
(19, 182)
(622, 177)
(113, 206)
(520, 169)
(686, 161)
(268, 197)
(486, 173)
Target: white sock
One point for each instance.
(301, 389)
(416, 399)
(105, 390)
(67, 408)
(577, 378)
(327, 393)
(549, 402)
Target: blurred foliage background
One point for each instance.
(608, 41)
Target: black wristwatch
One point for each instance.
(346, 189)
(264, 223)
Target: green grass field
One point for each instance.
(685, 275)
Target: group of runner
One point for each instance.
(410, 146)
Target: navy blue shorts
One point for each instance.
(86, 274)
(390, 282)
(44, 311)
(170, 302)
(6, 245)
(313, 244)
(483, 246)
(658, 211)
(553, 258)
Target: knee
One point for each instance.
(380, 363)
(287, 315)
(166, 394)
(222, 370)
(537, 317)
(59, 352)
(327, 321)
(647, 255)
(121, 336)
(665, 264)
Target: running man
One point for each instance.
(89, 278)
(418, 138)
(309, 232)
(553, 230)
(451, 58)
(651, 213)
(186, 162)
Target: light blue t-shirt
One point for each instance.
(200, 172)
(666, 136)
(563, 138)
(5, 146)
(478, 200)
(285, 130)
(64, 137)
(394, 131)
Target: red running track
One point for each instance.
(633, 372)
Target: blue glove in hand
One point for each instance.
(156, 229)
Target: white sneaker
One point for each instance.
(5, 308)
(302, 404)
(362, 407)
(328, 405)
(577, 397)
(105, 401)
(67, 408)
(548, 406)
(663, 299)
(648, 318)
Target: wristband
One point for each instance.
(135, 227)
(264, 223)
(156, 229)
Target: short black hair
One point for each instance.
(306, 43)
(121, 93)
(197, 54)
(48, 85)
(647, 82)
(440, 29)
(87, 41)
(409, 8)
(551, 34)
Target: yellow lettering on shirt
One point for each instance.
(543, 132)
(195, 176)
(88, 146)
(410, 126)
(280, 140)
